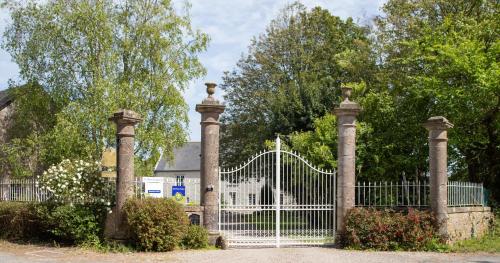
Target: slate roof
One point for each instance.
(186, 158)
(5, 99)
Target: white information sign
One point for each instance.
(153, 186)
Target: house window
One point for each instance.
(179, 180)
(233, 197)
(252, 199)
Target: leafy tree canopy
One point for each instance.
(441, 58)
(290, 76)
(95, 57)
(433, 57)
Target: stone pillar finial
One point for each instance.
(210, 110)
(438, 166)
(346, 124)
(438, 123)
(210, 88)
(210, 99)
(125, 132)
(346, 92)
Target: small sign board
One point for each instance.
(153, 186)
(179, 193)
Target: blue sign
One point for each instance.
(179, 192)
(178, 189)
(154, 191)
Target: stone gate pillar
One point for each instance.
(125, 131)
(210, 109)
(438, 165)
(346, 123)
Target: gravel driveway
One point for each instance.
(13, 253)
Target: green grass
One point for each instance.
(108, 247)
(488, 243)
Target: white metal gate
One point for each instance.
(277, 198)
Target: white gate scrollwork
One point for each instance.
(277, 198)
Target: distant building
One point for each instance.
(186, 163)
(6, 110)
(184, 170)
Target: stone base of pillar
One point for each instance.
(443, 226)
(193, 211)
(109, 226)
(213, 238)
(115, 229)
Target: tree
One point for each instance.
(435, 58)
(441, 58)
(377, 156)
(33, 116)
(95, 57)
(319, 146)
(291, 76)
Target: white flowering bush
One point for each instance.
(75, 181)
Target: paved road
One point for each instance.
(13, 253)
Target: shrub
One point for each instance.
(195, 238)
(156, 224)
(388, 229)
(78, 224)
(75, 181)
(20, 221)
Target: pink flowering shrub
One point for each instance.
(388, 229)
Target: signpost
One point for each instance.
(153, 186)
(179, 193)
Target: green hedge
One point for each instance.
(21, 221)
(389, 229)
(195, 238)
(156, 224)
(73, 224)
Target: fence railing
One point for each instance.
(465, 194)
(110, 189)
(416, 194)
(392, 194)
(368, 194)
(23, 190)
(29, 190)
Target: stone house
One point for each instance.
(6, 109)
(186, 163)
(184, 170)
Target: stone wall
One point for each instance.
(194, 210)
(468, 222)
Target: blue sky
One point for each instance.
(231, 24)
